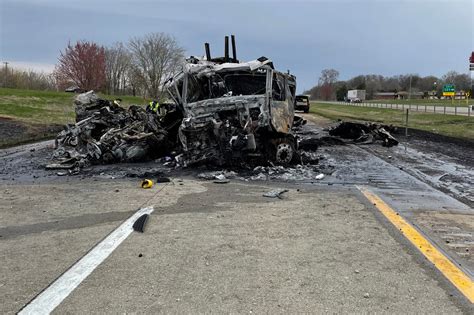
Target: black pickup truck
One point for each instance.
(302, 103)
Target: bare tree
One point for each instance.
(28, 79)
(428, 83)
(391, 84)
(83, 65)
(326, 81)
(117, 62)
(373, 83)
(461, 81)
(136, 83)
(155, 57)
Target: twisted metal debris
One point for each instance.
(107, 133)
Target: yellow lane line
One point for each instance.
(457, 277)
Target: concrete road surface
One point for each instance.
(213, 248)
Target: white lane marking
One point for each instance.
(53, 295)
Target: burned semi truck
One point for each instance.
(234, 111)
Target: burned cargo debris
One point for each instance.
(105, 132)
(365, 133)
(234, 111)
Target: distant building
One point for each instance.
(385, 96)
(402, 95)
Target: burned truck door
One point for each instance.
(281, 105)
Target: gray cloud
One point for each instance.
(354, 37)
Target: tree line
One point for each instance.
(138, 67)
(26, 79)
(329, 87)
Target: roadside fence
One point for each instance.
(427, 108)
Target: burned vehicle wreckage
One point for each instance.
(223, 112)
(234, 111)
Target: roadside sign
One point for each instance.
(449, 90)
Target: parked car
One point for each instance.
(302, 103)
(74, 89)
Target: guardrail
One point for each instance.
(427, 108)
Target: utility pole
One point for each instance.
(6, 74)
(409, 91)
(471, 69)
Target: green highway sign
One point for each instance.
(449, 88)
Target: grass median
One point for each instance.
(30, 115)
(448, 125)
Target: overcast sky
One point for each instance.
(385, 37)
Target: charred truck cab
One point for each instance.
(234, 111)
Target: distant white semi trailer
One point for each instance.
(355, 96)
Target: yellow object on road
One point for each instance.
(147, 183)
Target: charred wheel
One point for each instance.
(284, 153)
(283, 150)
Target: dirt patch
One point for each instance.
(10, 128)
(14, 132)
(319, 121)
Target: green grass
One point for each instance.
(450, 125)
(37, 110)
(46, 107)
(425, 102)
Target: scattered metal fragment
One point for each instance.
(309, 158)
(162, 180)
(365, 133)
(275, 193)
(296, 173)
(217, 175)
(319, 176)
(221, 181)
(298, 121)
(57, 166)
(139, 224)
(220, 177)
